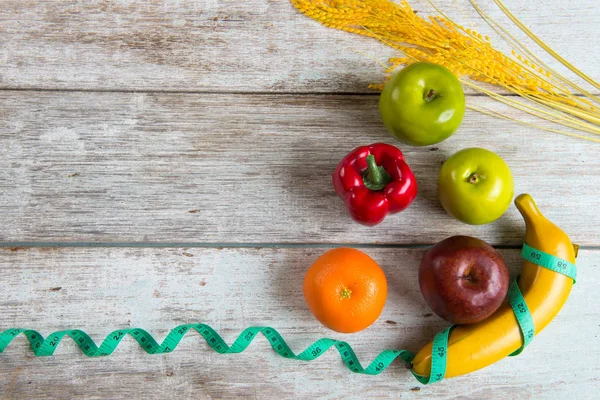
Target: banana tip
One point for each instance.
(527, 207)
(523, 198)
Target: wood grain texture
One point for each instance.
(231, 45)
(99, 290)
(119, 167)
(239, 161)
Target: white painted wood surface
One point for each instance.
(202, 168)
(232, 45)
(103, 289)
(219, 122)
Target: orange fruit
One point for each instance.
(345, 289)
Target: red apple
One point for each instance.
(463, 279)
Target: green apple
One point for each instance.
(422, 104)
(475, 186)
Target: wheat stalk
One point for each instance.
(438, 39)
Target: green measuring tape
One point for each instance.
(549, 261)
(516, 299)
(46, 346)
(524, 319)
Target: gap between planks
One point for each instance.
(217, 92)
(271, 245)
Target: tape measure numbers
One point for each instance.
(46, 346)
(549, 261)
(516, 299)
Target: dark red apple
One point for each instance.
(463, 279)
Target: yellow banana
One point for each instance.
(471, 347)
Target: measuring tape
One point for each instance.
(515, 297)
(46, 347)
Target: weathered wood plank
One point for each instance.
(119, 167)
(99, 290)
(230, 45)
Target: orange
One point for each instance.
(345, 289)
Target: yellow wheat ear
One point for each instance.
(438, 39)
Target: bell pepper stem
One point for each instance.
(375, 177)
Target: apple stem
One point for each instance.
(430, 95)
(473, 178)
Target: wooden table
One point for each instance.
(167, 162)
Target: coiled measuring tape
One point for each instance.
(46, 346)
(515, 297)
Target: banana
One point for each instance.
(471, 347)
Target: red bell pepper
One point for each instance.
(374, 181)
